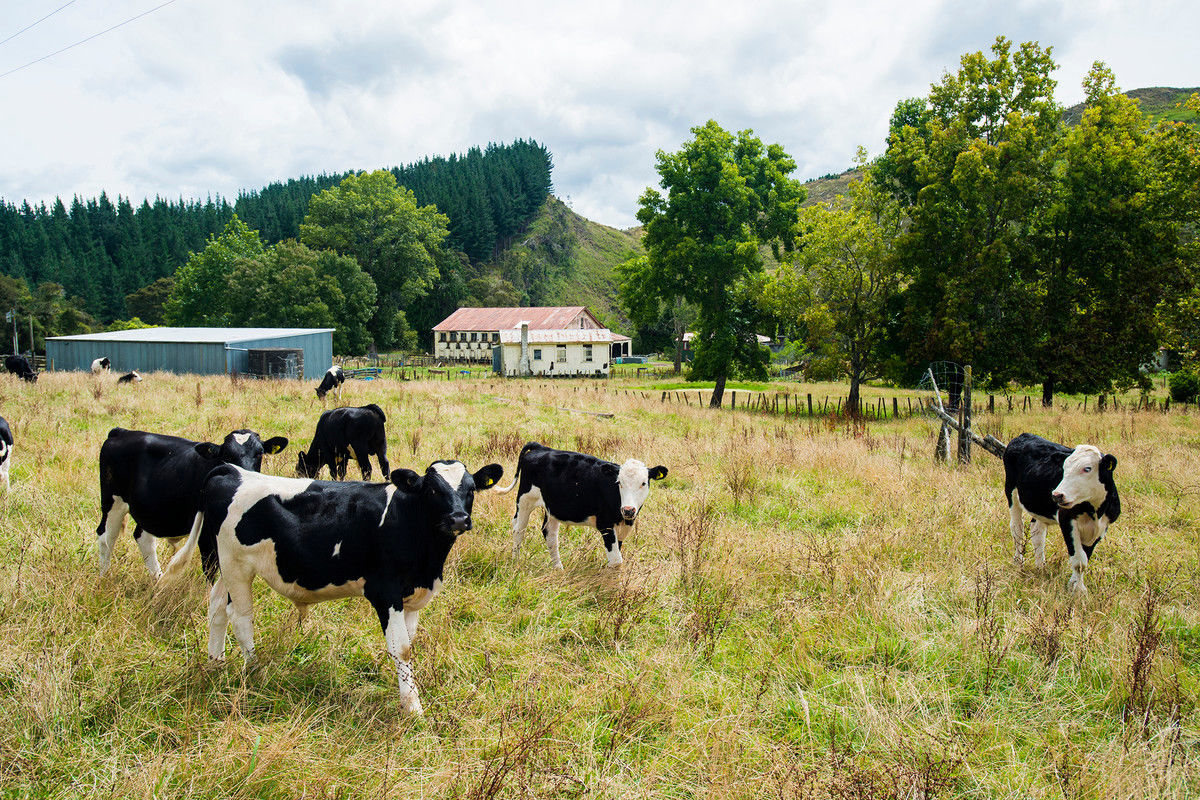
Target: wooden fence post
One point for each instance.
(964, 419)
(810, 404)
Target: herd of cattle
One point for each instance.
(314, 540)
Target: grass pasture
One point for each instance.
(808, 609)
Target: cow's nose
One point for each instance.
(460, 521)
(629, 512)
(1058, 497)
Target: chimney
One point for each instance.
(525, 367)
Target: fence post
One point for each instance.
(964, 419)
(810, 404)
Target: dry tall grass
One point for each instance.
(807, 609)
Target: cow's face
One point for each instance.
(243, 449)
(447, 492)
(633, 481)
(1081, 480)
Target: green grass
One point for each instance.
(807, 609)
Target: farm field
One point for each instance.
(808, 608)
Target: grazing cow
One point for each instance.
(6, 448)
(341, 431)
(129, 377)
(319, 540)
(1055, 483)
(577, 489)
(101, 364)
(157, 479)
(18, 366)
(334, 378)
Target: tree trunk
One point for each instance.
(678, 354)
(1048, 392)
(718, 393)
(852, 403)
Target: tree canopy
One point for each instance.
(725, 197)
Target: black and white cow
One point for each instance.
(333, 380)
(157, 479)
(130, 377)
(578, 489)
(101, 364)
(1052, 483)
(6, 449)
(320, 540)
(18, 366)
(341, 431)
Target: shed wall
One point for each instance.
(317, 347)
(182, 357)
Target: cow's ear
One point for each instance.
(208, 449)
(488, 477)
(658, 473)
(275, 445)
(1108, 463)
(406, 479)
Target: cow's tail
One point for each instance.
(181, 558)
(377, 411)
(517, 474)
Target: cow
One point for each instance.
(320, 540)
(156, 479)
(341, 431)
(1053, 483)
(18, 366)
(130, 377)
(578, 489)
(6, 450)
(101, 364)
(333, 380)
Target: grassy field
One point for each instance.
(807, 609)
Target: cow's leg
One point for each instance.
(241, 613)
(1037, 537)
(1078, 556)
(1016, 526)
(399, 646)
(113, 510)
(146, 543)
(4, 472)
(381, 453)
(526, 503)
(341, 460)
(612, 547)
(362, 456)
(218, 620)
(550, 527)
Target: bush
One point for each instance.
(1185, 386)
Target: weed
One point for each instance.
(623, 607)
(692, 534)
(712, 611)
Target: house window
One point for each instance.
(442, 336)
(474, 336)
(587, 352)
(562, 354)
(496, 336)
(453, 336)
(537, 354)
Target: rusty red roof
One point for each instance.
(499, 319)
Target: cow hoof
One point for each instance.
(411, 704)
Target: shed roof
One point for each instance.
(564, 336)
(191, 335)
(498, 319)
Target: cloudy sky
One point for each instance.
(205, 97)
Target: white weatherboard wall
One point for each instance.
(544, 358)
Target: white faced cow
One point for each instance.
(578, 489)
(130, 377)
(157, 480)
(6, 447)
(332, 381)
(1052, 483)
(322, 540)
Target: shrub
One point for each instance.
(1185, 386)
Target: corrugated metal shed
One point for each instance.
(199, 351)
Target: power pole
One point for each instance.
(12, 315)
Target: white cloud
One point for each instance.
(214, 97)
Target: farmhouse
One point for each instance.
(281, 352)
(470, 333)
(558, 352)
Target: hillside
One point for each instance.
(560, 258)
(1157, 102)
